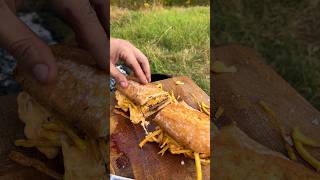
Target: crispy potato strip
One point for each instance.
(179, 83)
(298, 135)
(198, 165)
(306, 155)
(280, 128)
(30, 162)
(63, 127)
(299, 140)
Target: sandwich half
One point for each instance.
(68, 115)
(138, 101)
(182, 130)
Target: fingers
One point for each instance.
(144, 62)
(129, 57)
(120, 78)
(121, 49)
(86, 25)
(33, 55)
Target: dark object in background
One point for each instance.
(158, 77)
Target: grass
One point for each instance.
(175, 40)
(286, 33)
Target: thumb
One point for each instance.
(120, 78)
(35, 58)
(33, 55)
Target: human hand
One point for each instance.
(88, 19)
(121, 49)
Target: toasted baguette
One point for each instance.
(79, 93)
(190, 128)
(140, 94)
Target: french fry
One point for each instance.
(280, 128)
(50, 135)
(306, 155)
(179, 83)
(290, 152)
(204, 105)
(180, 151)
(205, 161)
(80, 143)
(198, 165)
(36, 143)
(30, 162)
(297, 134)
(52, 126)
(163, 150)
(205, 110)
(149, 136)
(63, 127)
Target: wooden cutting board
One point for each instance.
(128, 160)
(239, 93)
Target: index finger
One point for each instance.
(144, 62)
(130, 58)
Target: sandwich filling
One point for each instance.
(138, 113)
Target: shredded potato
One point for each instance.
(163, 150)
(198, 165)
(266, 108)
(149, 137)
(179, 83)
(166, 143)
(205, 108)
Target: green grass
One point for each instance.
(175, 40)
(285, 33)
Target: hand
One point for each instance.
(121, 49)
(88, 19)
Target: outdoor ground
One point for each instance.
(286, 34)
(176, 40)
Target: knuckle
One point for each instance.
(26, 48)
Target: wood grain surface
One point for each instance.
(239, 93)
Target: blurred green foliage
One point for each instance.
(137, 4)
(175, 40)
(285, 33)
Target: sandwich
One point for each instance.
(137, 102)
(182, 130)
(67, 116)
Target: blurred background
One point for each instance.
(173, 34)
(285, 33)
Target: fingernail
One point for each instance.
(123, 84)
(40, 72)
(146, 81)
